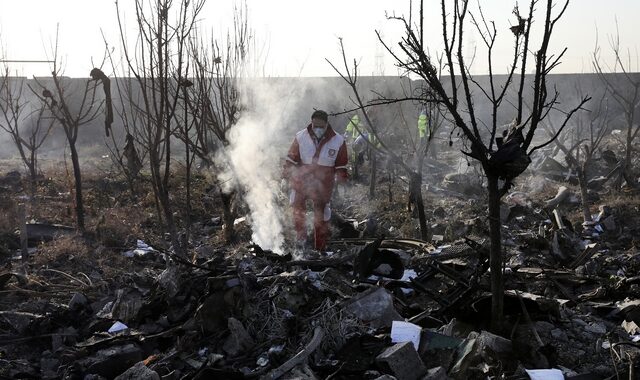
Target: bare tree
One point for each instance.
(502, 159)
(585, 138)
(158, 62)
(379, 144)
(28, 132)
(624, 86)
(71, 107)
(216, 104)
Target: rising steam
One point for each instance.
(275, 110)
(254, 157)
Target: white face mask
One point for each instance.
(319, 132)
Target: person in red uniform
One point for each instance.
(316, 159)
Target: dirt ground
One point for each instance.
(236, 311)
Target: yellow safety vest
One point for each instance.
(351, 127)
(422, 125)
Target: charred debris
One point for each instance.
(118, 303)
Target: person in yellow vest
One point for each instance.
(423, 121)
(351, 133)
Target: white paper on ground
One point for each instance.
(408, 275)
(406, 332)
(117, 327)
(141, 249)
(545, 374)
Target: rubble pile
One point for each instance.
(378, 305)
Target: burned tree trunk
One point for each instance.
(627, 169)
(188, 211)
(495, 258)
(415, 195)
(373, 177)
(582, 181)
(133, 164)
(163, 200)
(33, 171)
(78, 187)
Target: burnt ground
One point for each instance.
(235, 311)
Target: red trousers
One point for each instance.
(321, 216)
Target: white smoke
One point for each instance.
(257, 146)
(274, 110)
(255, 166)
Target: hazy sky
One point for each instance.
(299, 35)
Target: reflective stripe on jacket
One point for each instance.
(312, 165)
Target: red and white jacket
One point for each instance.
(312, 165)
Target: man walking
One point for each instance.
(316, 159)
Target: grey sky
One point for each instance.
(297, 36)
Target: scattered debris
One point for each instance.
(402, 361)
(377, 307)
